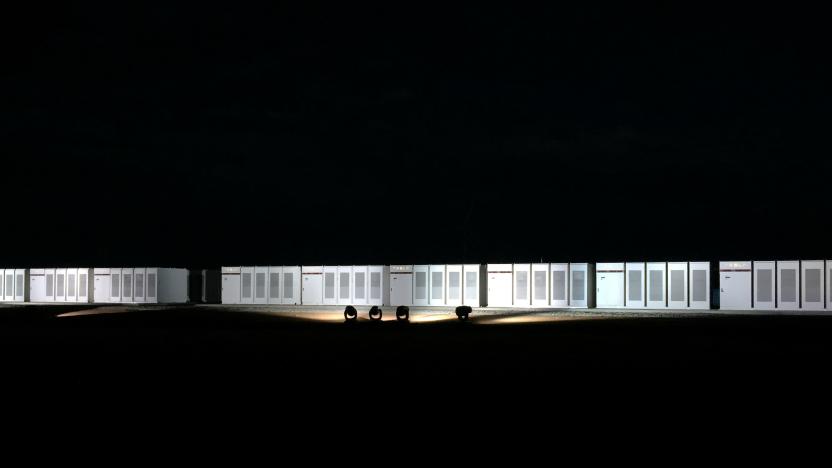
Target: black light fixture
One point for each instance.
(402, 313)
(375, 313)
(462, 312)
(350, 314)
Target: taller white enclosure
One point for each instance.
(609, 284)
(735, 285)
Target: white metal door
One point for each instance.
(420, 285)
(247, 285)
(312, 291)
(635, 285)
(291, 285)
(559, 276)
(677, 285)
(72, 285)
(454, 289)
(101, 285)
(401, 285)
(471, 275)
(764, 290)
(151, 285)
(261, 276)
(37, 285)
(139, 285)
(656, 285)
(578, 284)
(811, 284)
(437, 285)
(699, 291)
(359, 284)
(735, 285)
(788, 289)
(126, 285)
(330, 288)
(375, 293)
(540, 285)
(60, 285)
(230, 285)
(345, 285)
(521, 285)
(500, 285)
(275, 284)
(609, 284)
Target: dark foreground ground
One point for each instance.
(211, 359)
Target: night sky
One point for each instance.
(201, 135)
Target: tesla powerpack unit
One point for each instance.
(581, 285)
(811, 285)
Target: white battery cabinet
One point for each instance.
(454, 291)
(260, 285)
(500, 277)
(378, 292)
(247, 285)
(559, 277)
(312, 285)
(677, 285)
(811, 285)
(635, 285)
(735, 285)
(828, 283)
(420, 285)
(290, 284)
(788, 285)
(359, 285)
(401, 285)
(230, 293)
(700, 285)
(656, 285)
(344, 285)
(581, 285)
(437, 285)
(522, 286)
(764, 285)
(76, 284)
(140, 285)
(609, 285)
(330, 285)
(474, 275)
(540, 284)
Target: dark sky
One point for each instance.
(191, 134)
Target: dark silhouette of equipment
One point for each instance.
(350, 314)
(375, 313)
(462, 312)
(402, 313)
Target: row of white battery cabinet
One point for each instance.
(775, 285)
(653, 285)
(380, 285)
(13, 285)
(540, 285)
(109, 285)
